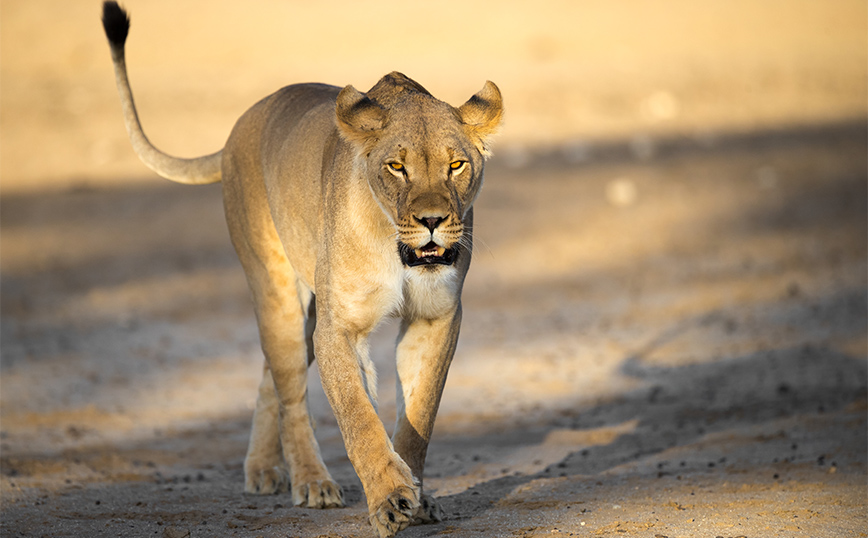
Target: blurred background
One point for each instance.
(669, 269)
(572, 73)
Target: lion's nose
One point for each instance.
(430, 222)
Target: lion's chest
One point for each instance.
(428, 293)
(364, 301)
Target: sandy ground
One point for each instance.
(665, 321)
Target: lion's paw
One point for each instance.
(266, 481)
(429, 511)
(318, 494)
(396, 512)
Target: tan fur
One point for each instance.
(316, 212)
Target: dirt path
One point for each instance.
(690, 364)
(665, 321)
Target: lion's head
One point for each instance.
(422, 158)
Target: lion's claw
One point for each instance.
(396, 512)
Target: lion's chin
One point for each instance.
(430, 254)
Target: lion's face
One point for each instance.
(424, 165)
(425, 173)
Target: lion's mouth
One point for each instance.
(430, 254)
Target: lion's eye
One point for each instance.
(455, 166)
(397, 167)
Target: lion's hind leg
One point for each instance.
(265, 471)
(280, 313)
(282, 438)
(282, 410)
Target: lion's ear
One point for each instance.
(358, 117)
(481, 115)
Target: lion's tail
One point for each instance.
(198, 171)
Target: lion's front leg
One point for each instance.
(425, 350)
(392, 492)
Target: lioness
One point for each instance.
(344, 208)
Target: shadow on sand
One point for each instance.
(105, 238)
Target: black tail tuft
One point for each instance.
(116, 23)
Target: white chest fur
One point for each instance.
(430, 292)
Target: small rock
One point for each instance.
(174, 532)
